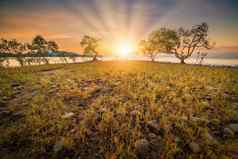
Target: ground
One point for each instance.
(119, 110)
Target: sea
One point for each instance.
(221, 59)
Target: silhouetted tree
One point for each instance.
(52, 46)
(90, 46)
(148, 49)
(41, 48)
(158, 41)
(182, 43)
(3, 50)
(4, 46)
(191, 41)
(39, 45)
(17, 49)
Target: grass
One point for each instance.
(102, 110)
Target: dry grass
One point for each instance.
(100, 110)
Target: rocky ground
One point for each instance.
(119, 110)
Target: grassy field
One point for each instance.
(119, 110)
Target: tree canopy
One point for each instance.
(158, 41)
(90, 46)
(182, 42)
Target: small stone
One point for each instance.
(142, 148)
(234, 127)
(194, 147)
(153, 125)
(17, 114)
(228, 132)
(152, 136)
(5, 113)
(68, 115)
(97, 156)
(16, 92)
(5, 98)
(133, 113)
(155, 128)
(15, 84)
(82, 103)
(98, 116)
(133, 118)
(34, 93)
(208, 97)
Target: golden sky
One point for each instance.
(66, 21)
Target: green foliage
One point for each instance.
(39, 48)
(90, 45)
(162, 40)
(182, 43)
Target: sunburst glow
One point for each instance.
(125, 48)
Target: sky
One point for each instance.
(66, 21)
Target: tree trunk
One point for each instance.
(95, 58)
(182, 61)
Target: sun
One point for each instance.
(125, 49)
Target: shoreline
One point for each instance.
(127, 60)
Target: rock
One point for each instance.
(234, 127)
(133, 113)
(155, 141)
(152, 136)
(18, 88)
(17, 114)
(97, 156)
(82, 103)
(154, 126)
(194, 147)
(16, 92)
(98, 116)
(5, 98)
(142, 148)
(133, 118)
(15, 84)
(208, 97)
(227, 132)
(68, 115)
(156, 145)
(51, 91)
(5, 113)
(34, 93)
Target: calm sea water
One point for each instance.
(210, 60)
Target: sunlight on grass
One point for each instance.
(125, 48)
(118, 110)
